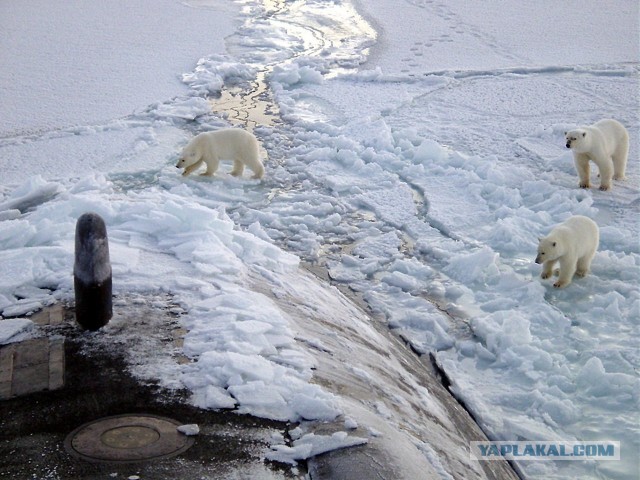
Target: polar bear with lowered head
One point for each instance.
(226, 144)
(606, 143)
(573, 244)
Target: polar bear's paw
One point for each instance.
(561, 284)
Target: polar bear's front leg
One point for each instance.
(581, 161)
(567, 271)
(547, 269)
(212, 167)
(605, 165)
(191, 168)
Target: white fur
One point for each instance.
(573, 244)
(226, 144)
(606, 143)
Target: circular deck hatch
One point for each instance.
(127, 438)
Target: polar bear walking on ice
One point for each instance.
(226, 144)
(606, 143)
(573, 244)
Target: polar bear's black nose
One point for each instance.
(568, 144)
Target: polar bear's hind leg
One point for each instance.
(258, 173)
(620, 159)
(584, 265)
(238, 168)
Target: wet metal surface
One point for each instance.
(31, 366)
(36, 428)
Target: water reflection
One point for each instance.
(249, 108)
(332, 34)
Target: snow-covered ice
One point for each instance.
(311, 445)
(189, 430)
(15, 329)
(417, 157)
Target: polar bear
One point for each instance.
(225, 144)
(573, 244)
(606, 143)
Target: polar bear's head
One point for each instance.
(577, 139)
(191, 154)
(548, 249)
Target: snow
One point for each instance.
(311, 445)
(95, 77)
(418, 156)
(189, 430)
(15, 330)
